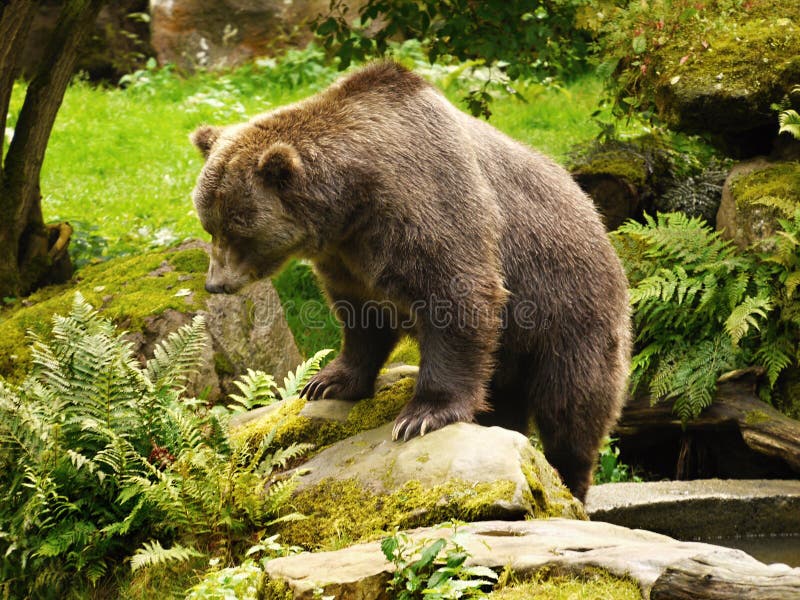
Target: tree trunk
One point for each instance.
(25, 241)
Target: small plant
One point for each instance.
(260, 389)
(609, 468)
(434, 569)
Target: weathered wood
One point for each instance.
(719, 577)
(767, 433)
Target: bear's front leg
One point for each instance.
(455, 366)
(369, 336)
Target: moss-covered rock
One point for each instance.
(591, 583)
(745, 215)
(128, 290)
(151, 295)
(722, 76)
(294, 425)
(622, 178)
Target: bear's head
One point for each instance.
(240, 200)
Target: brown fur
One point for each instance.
(403, 202)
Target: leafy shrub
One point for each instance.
(71, 437)
(434, 569)
(525, 40)
(99, 453)
(701, 308)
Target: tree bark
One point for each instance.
(24, 239)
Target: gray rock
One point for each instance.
(221, 34)
(743, 227)
(525, 547)
(461, 452)
(700, 509)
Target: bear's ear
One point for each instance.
(204, 137)
(279, 165)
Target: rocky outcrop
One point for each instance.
(663, 567)
(218, 34)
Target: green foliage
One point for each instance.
(524, 40)
(242, 582)
(434, 569)
(609, 467)
(260, 389)
(99, 452)
(789, 119)
(71, 436)
(701, 308)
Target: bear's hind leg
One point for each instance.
(575, 407)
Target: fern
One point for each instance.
(153, 553)
(294, 382)
(257, 389)
(701, 308)
(789, 122)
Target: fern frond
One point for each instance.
(178, 357)
(257, 389)
(295, 380)
(153, 553)
(743, 317)
(785, 206)
(789, 121)
(775, 356)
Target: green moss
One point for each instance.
(618, 163)
(406, 352)
(276, 590)
(591, 584)
(725, 74)
(190, 261)
(128, 290)
(293, 427)
(781, 180)
(547, 495)
(755, 417)
(342, 512)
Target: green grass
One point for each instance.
(120, 168)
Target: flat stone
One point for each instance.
(525, 547)
(700, 509)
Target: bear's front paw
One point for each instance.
(335, 381)
(418, 418)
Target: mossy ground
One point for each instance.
(593, 584)
(127, 290)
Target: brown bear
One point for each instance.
(420, 219)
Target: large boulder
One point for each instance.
(220, 34)
(722, 81)
(153, 294)
(360, 484)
